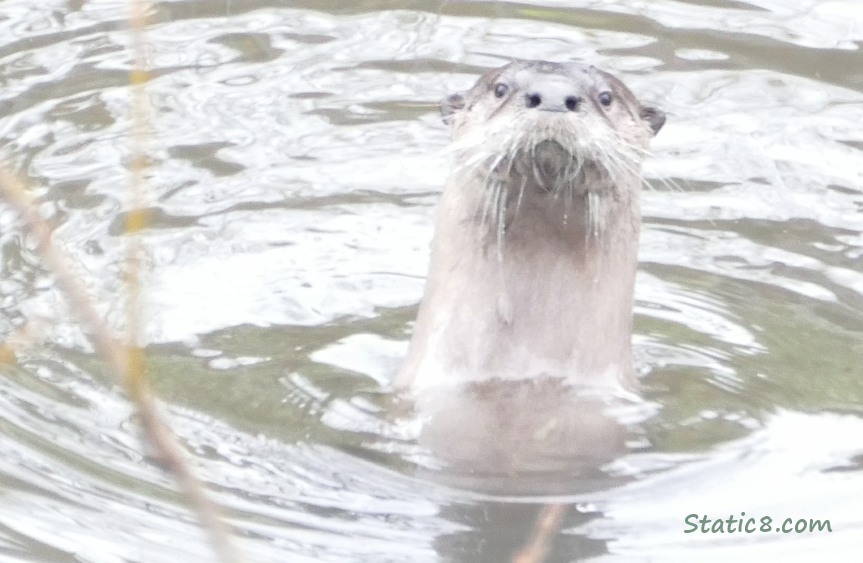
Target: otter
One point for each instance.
(534, 255)
(528, 302)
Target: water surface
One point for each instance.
(297, 155)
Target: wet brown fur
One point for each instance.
(535, 250)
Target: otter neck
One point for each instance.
(546, 293)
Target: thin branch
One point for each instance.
(135, 375)
(122, 362)
(127, 363)
(15, 194)
(546, 528)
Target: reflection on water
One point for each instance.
(297, 154)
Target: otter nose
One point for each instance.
(549, 94)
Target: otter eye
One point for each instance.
(605, 98)
(500, 90)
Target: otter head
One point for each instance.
(564, 128)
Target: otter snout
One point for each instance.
(551, 93)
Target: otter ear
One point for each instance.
(451, 105)
(654, 117)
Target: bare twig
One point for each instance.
(137, 385)
(547, 525)
(15, 194)
(18, 338)
(127, 363)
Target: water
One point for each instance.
(297, 157)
